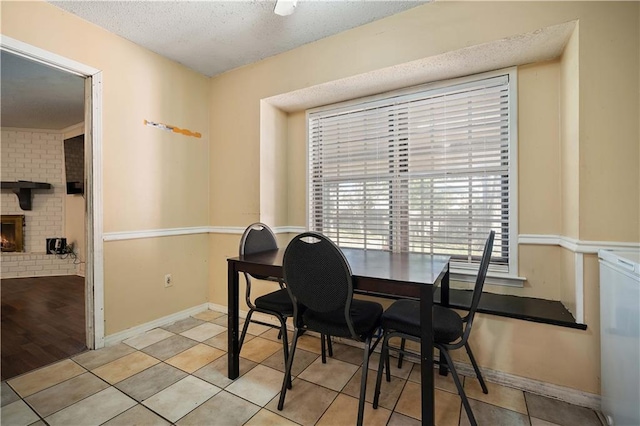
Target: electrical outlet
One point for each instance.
(168, 280)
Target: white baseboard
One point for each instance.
(160, 322)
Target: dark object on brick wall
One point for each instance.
(74, 164)
(56, 245)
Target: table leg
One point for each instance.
(233, 355)
(426, 355)
(444, 289)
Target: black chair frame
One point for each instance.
(301, 327)
(443, 348)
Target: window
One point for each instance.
(427, 170)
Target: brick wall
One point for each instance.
(37, 157)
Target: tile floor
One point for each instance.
(177, 375)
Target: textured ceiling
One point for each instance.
(36, 96)
(212, 37)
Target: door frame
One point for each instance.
(94, 270)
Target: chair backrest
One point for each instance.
(256, 238)
(318, 276)
(477, 290)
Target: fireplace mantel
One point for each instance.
(22, 189)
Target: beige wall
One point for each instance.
(152, 179)
(562, 138)
(155, 180)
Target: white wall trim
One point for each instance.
(579, 277)
(154, 233)
(115, 338)
(576, 246)
(171, 232)
(45, 57)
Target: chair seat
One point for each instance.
(404, 316)
(277, 301)
(365, 315)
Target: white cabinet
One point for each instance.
(620, 336)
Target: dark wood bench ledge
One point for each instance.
(523, 308)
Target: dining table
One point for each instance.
(375, 273)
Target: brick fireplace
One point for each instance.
(12, 233)
(36, 156)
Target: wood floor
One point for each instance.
(42, 322)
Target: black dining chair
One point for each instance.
(256, 238)
(450, 331)
(319, 280)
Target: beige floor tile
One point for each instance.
(55, 398)
(348, 353)
(257, 329)
(224, 321)
(147, 339)
(389, 391)
(8, 395)
(441, 382)
(335, 374)
(204, 331)
(125, 367)
(259, 385)
(502, 396)
(398, 419)
(344, 411)
(167, 348)
(195, 358)
(272, 334)
(489, 414)
(224, 409)
(183, 325)
(33, 382)
(182, 397)
(94, 410)
(302, 360)
(539, 422)
(403, 372)
(17, 413)
(259, 349)
(217, 372)
(208, 315)
(267, 418)
(150, 381)
(94, 359)
(309, 343)
(447, 405)
(138, 415)
(305, 403)
(221, 341)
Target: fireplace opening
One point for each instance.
(12, 230)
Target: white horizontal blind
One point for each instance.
(426, 171)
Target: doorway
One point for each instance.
(92, 285)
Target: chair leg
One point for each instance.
(287, 374)
(443, 370)
(247, 320)
(475, 367)
(456, 379)
(387, 365)
(329, 346)
(280, 334)
(285, 343)
(323, 349)
(384, 355)
(363, 383)
(401, 355)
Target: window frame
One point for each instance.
(460, 271)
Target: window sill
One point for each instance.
(494, 278)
